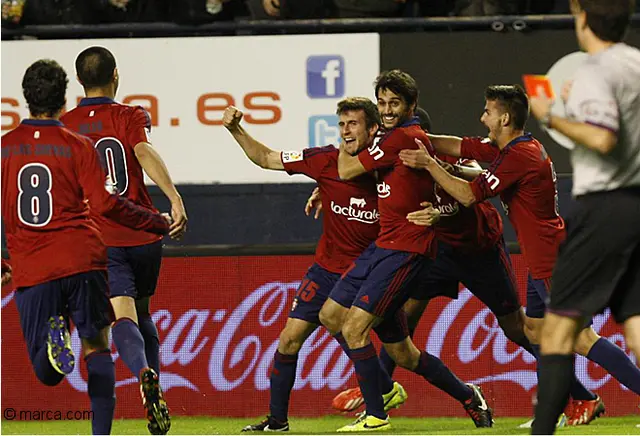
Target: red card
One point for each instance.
(538, 86)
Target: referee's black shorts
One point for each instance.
(599, 262)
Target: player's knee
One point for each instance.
(585, 340)
(355, 334)
(289, 343)
(124, 307)
(414, 310)
(532, 327)
(330, 321)
(97, 343)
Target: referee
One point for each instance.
(599, 262)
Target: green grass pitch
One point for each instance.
(326, 425)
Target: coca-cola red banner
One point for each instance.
(219, 319)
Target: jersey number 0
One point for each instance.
(114, 162)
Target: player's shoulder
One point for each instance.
(73, 138)
(327, 151)
(134, 113)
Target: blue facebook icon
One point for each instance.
(325, 76)
(323, 130)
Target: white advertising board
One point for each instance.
(287, 86)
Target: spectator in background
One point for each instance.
(43, 12)
(290, 9)
(204, 11)
(129, 11)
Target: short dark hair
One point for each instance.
(399, 83)
(513, 100)
(608, 20)
(371, 114)
(44, 87)
(425, 119)
(95, 66)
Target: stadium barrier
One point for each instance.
(219, 318)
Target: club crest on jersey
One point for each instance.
(356, 211)
(384, 190)
(291, 156)
(492, 180)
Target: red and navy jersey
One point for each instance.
(48, 174)
(469, 229)
(351, 217)
(523, 175)
(400, 189)
(116, 129)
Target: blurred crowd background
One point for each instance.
(47, 12)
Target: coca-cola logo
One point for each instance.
(483, 329)
(189, 337)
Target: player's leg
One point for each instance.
(632, 335)
(126, 333)
(146, 265)
(303, 319)
(133, 273)
(625, 304)
(92, 313)
(413, 308)
(41, 309)
(394, 334)
(149, 333)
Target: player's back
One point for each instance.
(49, 231)
(116, 129)
(400, 189)
(532, 205)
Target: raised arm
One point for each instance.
(255, 150)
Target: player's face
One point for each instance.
(393, 109)
(353, 131)
(492, 118)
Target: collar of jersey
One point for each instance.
(524, 138)
(90, 101)
(31, 122)
(412, 122)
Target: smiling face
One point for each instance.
(493, 119)
(393, 109)
(354, 132)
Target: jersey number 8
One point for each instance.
(114, 162)
(35, 203)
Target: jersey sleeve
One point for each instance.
(503, 173)
(138, 127)
(310, 161)
(479, 149)
(383, 153)
(592, 99)
(92, 179)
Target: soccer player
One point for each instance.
(350, 225)
(471, 250)
(121, 134)
(599, 262)
(522, 174)
(378, 283)
(58, 257)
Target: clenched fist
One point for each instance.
(232, 117)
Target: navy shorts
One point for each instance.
(82, 297)
(487, 274)
(312, 293)
(378, 282)
(537, 296)
(134, 271)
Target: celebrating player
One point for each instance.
(522, 174)
(58, 256)
(121, 135)
(349, 226)
(471, 250)
(378, 283)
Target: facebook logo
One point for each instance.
(325, 76)
(323, 130)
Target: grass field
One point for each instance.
(327, 425)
